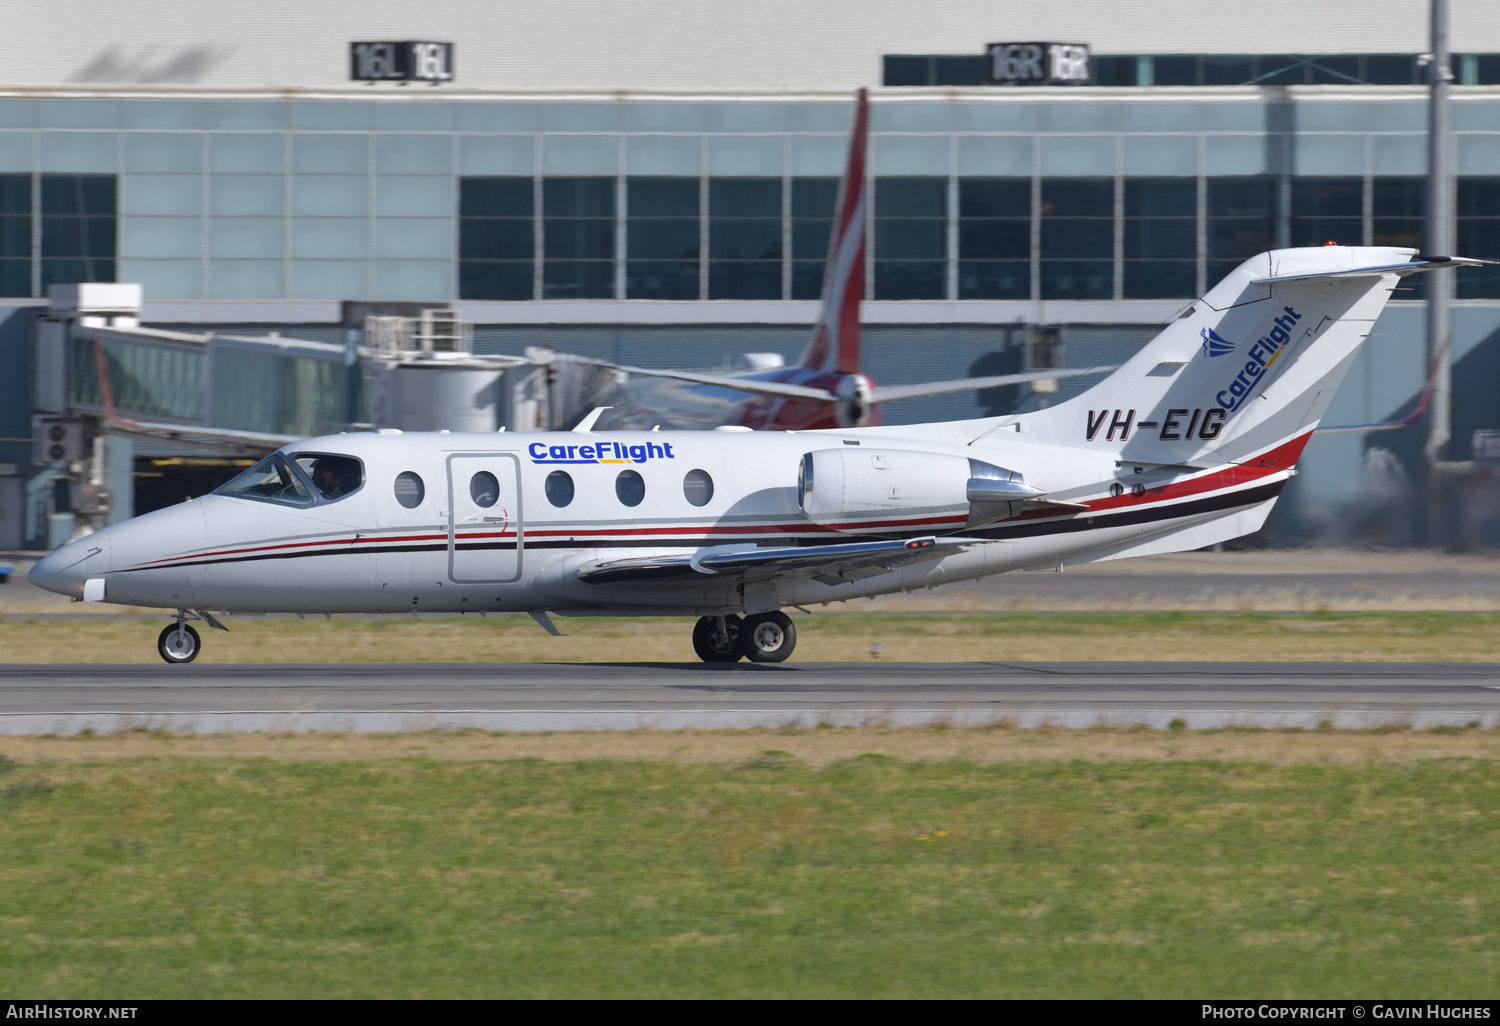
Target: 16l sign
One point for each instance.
(1038, 64)
(401, 62)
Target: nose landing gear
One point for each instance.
(763, 638)
(178, 643)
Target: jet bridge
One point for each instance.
(106, 388)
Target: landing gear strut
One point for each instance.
(763, 638)
(178, 642)
(716, 639)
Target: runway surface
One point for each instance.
(45, 699)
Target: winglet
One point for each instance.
(587, 423)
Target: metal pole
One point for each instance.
(1439, 237)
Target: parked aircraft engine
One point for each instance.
(856, 402)
(846, 489)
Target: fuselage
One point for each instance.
(449, 523)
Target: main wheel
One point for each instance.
(716, 645)
(178, 644)
(768, 638)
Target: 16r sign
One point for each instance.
(1038, 64)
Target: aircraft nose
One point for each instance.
(65, 570)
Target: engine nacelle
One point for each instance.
(862, 490)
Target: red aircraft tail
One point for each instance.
(834, 347)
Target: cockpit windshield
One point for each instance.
(270, 480)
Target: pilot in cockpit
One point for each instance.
(335, 476)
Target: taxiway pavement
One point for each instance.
(68, 699)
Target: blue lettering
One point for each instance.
(1229, 404)
(668, 446)
(533, 447)
(1278, 335)
(1295, 315)
(572, 449)
(638, 453)
(616, 445)
(558, 452)
(1253, 369)
(652, 449)
(586, 451)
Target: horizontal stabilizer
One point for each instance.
(828, 563)
(776, 388)
(890, 393)
(1430, 264)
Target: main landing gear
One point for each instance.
(762, 638)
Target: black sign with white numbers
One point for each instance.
(1038, 64)
(401, 62)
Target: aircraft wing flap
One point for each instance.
(831, 564)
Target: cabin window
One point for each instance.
(334, 477)
(484, 489)
(559, 488)
(409, 489)
(630, 487)
(698, 487)
(273, 479)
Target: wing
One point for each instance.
(192, 434)
(831, 564)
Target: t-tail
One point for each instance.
(1245, 373)
(834, 346)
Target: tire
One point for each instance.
(175, 647)
(768, 638)
(711, 651)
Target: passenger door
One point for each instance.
(486, 538)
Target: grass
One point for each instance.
(438, 872)
(1366, 637)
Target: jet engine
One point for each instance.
(856, 405)
(861, 490)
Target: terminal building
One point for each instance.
(652, 183)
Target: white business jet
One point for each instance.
(1187, 444)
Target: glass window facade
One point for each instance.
(744, 238)
(1078, 238)
(1478, 236)
(994, 238)
(911, 238)
(1327, 210)
(496, 238)
(662, 238)
(814, 201)
(1161, 238)
(78, 228)
(15, 235)
(578, 238)
(1241, 222)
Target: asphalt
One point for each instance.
(381, 698)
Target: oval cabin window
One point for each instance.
(484, 489)
(409, 489)
(630, 487)
(559, 488)
(698, 487)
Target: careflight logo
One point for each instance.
(600, 452)
(1263, 353)
(1214, 345)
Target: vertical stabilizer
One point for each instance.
(834, 347)
(1250, 366)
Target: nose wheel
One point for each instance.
(178, 643)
